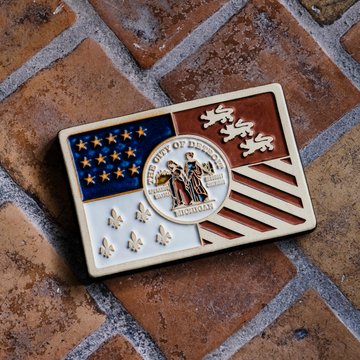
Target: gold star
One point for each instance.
(115, 156)
(134, 169)
(89, 179)
(111, 138)
(141, 131)
(96, 141)
(119, 173)
(100, 159)
(104, 176)
(126, 135)
(86, 162)
(81, 145)
(130, 152)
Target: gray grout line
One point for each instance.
(330, 136)
(328, 37)
(329, 292)
(118, 321)
(308, 276)
(58, 48)
(196, 39)
(96, 29)
(146, 85)
(66, 245)
(286, 298)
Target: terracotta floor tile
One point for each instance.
(308, 330)
(150, 29)
(28, 26)
(262, 44)
(190, 308)
(44, 311)
(334, 184)
(351, 42)
(325, 12)
(116, 348)
(81, 88)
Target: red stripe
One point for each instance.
(287, 161)
(245, 220)
(269, 170)
(219, 230)
(268, 189)
(282, 215)
(206, 242)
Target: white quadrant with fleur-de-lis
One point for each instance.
(123, 220)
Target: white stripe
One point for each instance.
(254, 214)
(230, 224)
(269, 180)
(268, 199)
(214, 238)
(282, 166)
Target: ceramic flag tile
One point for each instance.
(186, 179)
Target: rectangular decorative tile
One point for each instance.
(186, 179)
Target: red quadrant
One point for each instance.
(261, 110)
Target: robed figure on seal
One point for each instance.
(178, 185)
(194, 171)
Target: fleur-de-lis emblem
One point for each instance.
(106, 249)
(115, 220)
(143, 214)
(134, 243)
(163, 238)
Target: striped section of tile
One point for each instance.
(265, 202)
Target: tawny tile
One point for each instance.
(351, 42)
(116, 348)
(26, 27)
(325, 12)
(45, 312)
(308, 330)
(262, 44)
(189, 309)
(150, 28)
(81, 88)
(334, 183)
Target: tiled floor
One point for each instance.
(64, 63)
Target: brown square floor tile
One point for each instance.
(334, 184)
(26, 27)
(150, 28)
(190, 308)
(262, 44)
(351, 42)
(45, 312)
(116, 348)
(308, 330)
(325, 12)
(81, 88)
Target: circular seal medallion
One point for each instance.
(186, 179)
